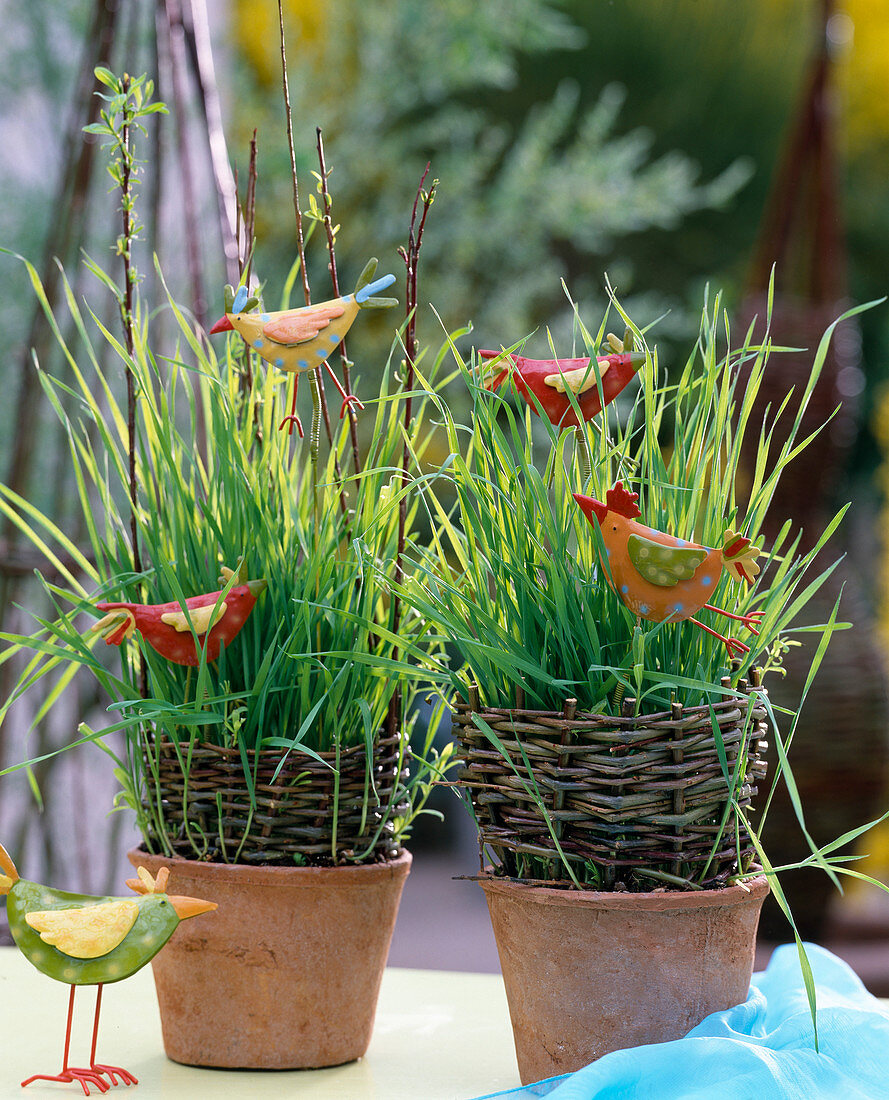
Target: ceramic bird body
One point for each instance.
(550, 379)
(660, 577)
(168, 630)
(299, 340)
(295, 340)
(82, 939)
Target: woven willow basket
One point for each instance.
(294, 813)
(644, 791)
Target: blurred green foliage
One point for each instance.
(571, 138)
(542, 174)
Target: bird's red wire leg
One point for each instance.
(348, 398)
(292, 418)
(113, 1072)
(84, 1077)
(733, 646)
(751, 620)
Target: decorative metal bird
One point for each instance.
(80, 939)
(168, 630)
(550, 379)
(666, 579)
(297, 340)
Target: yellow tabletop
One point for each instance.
(439, 1035)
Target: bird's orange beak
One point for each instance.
(257, 587)
(222, 325)
(591, 507)
(190, 907)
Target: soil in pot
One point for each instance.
(285, 974)
(587, 972)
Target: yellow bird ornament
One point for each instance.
(298, 340)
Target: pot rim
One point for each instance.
(248, 874)
(754, 889)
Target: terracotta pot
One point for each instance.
(285, 974)
(587, 973)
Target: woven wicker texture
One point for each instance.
(625, 792)
(294, 813)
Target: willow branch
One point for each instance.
(411, 256)
(129, 328)
(334, 279)
(130, 338)
(301, 245)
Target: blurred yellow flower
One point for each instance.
(859, 32)
(255, 28)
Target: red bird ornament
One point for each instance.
(550, 379)
(171, 632)
(662, 578)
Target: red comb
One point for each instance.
(622, 502)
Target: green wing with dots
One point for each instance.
(663, 565)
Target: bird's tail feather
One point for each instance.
(10, 875)
(739, 556)
(116, 626)
(494, 376)
(366, 290)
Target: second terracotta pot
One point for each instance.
(285, 974)
(587, 973)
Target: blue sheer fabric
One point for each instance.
(763, 1049)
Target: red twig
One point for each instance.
(297, 213)
(334, 279)
(318, 382)
(250, 209)
(411, 256)
(245, 262)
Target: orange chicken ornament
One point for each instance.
(666, 579)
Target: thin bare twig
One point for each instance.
(250, 210)
(301, 245)
(245, 261)
(297, 213)
(411, 256)
(129, 330)
(130, 338)
(331, 250)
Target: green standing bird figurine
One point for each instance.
(80, 939)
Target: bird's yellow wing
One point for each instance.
(578, 380)
(662, 564)
(87, 932)
(202, 618)
(300, 325)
